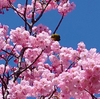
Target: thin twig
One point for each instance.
(93, 97)
(19, 13)
(33, 11)
(73, 63)
(42, 12)
(52, 93)
(32, 62)
(58, 24)
(21, 70)
(32, 20)
(25, 14)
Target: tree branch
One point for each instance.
(58, 24)
(25, 14)
(42, 12)
(19, 14)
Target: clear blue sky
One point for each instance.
(82, 24)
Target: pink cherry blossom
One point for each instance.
(2, 42)
(3, 68)
(19, 36)
(3, 30)
(55, 46)
(5, 4)
(40, 28)
(65, 8)
(21, 90)
(34, 65)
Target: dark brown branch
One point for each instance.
(33, 62)
(42, 12)
(5, 77)
(11, 52)
(93, 97)
(4, 88)
(18, 71)
(58, 24)
(26, 3)
(52, 93)
(21, 70)
(19, 14)
(71, 65)
(21, 56)
(32, 20)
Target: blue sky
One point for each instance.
(82, 24)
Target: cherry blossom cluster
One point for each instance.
(65, 7)
(38, 29)
(69, 72)
(40, 6)
(34, 64)
(3, 35)
(5, 4)
(26, 40)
